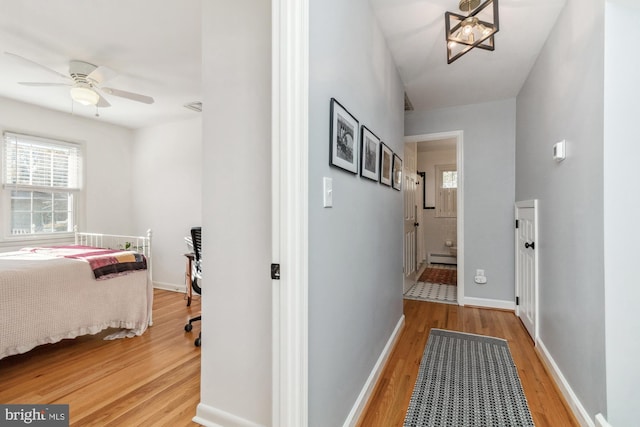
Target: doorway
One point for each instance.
(439, 235)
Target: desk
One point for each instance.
(187, 275)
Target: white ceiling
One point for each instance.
(415, 33)
(154, 45)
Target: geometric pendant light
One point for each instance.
(475, 29)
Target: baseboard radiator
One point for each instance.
(435, 258)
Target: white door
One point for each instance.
(410, 182)
(527, 265)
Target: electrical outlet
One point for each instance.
(480, 280)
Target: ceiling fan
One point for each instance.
(85, 80)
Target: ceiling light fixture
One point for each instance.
(476, 29)
(84, 95)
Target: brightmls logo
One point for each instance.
(34, 415)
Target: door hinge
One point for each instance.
(517, 300)
(517, 223)
(275, 271)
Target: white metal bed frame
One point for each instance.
(140, 244)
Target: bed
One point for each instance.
(48, 294)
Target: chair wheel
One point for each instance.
(197, 342)
(188, 327)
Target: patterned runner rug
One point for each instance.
(443, 276)
(467, 380)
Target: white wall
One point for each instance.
(167, 192)
(563, 99)
(107, 207)
(621, 207)
(489, 189)
(436, 230)
(236, 213)
(355, 248)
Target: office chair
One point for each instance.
(196, 277)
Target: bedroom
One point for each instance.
(141, 172)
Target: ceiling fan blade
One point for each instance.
(28, 61)
(102, 74)
(129, 95)
(102, 102)
(38, 84)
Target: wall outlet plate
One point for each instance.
(481, 280)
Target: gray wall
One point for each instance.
(621, 206)
(563, 99)
(489, 185)
(355, 248)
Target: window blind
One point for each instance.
(31, 162)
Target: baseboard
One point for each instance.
(209, 416)
(489, 303)
(572, 400)
(370, 384)
(170, 287)
(601, 421)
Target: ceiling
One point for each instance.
(156, 52)
(153, 46)
(415, 33)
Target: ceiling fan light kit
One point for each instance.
(84, 95)
(476, 29)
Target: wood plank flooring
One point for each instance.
(151, 380)
(154, 380)
(390, 399)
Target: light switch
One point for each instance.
(327, 192)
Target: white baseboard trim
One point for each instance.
(170, 287)
(575, 405)
(209, 416)
(489, 303)
(369, 385)
(601, 421)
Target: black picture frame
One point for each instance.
(386, 164)
(397, 172)
(343, 146)
(369, 154)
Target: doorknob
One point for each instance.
(416, 224)
(531, 245)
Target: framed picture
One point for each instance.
(344, 133)
(397, 172)
(386, 158)
(370, 152)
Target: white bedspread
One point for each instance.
(46, 299)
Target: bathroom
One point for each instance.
(437, 160)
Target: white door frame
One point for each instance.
(459, 136)
(290, 204)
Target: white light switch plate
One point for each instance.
(327, 192)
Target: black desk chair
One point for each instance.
(196, 277)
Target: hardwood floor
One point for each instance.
(151, 380)
(391, 396)
(154, 380)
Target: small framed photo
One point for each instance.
(397, 172)
(344, 135)
(370, 152)
(386, 158)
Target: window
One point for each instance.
(446, 191)
(41, 184)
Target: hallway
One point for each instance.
(391, 396)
